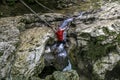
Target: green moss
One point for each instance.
(50, 41)
(118, 38)
(85, 35)
(1, 53)
(73, 55)
(11, 2)
(99, 66)
(112, 33)
(110, 48)
(96, 50)
(108, 32)
(49, 77)
(105, 30)
(21, 27)
(101, 38)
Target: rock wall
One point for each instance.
(9, 40)
(98, 37)
(94, 45)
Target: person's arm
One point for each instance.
(65, 23)
(80, 15)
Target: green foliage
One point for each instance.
(11, 2)
(118, 38)
(101, 38)
(85, 35)
(108, 32)
(105, 30)
(95, 50)
(30, 1)
(1, 53)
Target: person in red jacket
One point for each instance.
(61, 31)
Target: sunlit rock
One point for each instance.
(9, 40)
(29, 55)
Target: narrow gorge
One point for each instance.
(93, 52)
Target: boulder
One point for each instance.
(29, 59)
(67, 75)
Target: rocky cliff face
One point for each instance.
(9, 39)
(98, 37)
(94, 50)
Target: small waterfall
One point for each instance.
(69, 67)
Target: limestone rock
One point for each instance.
(9, 40)
(23, 41)
(68, 75)
(106, 64)
(98, 40)
(29, 55)
(110, 11)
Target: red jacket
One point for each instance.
(59, 35)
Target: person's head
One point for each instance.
(58, 27)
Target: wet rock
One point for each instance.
(68, 75)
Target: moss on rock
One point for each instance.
(68, 75)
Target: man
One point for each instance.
(61, 31)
